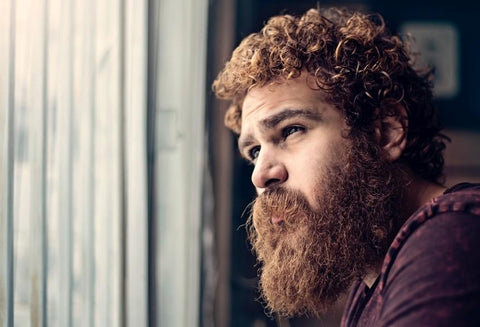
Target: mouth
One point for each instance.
(276, 220)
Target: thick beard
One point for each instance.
(312, 257)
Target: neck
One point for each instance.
(370, 279)
(416, 192)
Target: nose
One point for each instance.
(268, 171)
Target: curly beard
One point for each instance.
(313, 256)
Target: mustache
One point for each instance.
(289, 205)
(280, 201)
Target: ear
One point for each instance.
(391, 131)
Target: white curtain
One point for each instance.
(74, 187)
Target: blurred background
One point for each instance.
(122, 194)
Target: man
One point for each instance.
(348, 162)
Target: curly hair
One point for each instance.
(361, 66)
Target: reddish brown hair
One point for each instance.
(362, 67)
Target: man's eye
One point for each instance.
(290, 130)
(254, 152)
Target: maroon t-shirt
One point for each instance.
(431, 273)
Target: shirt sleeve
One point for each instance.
(435, 279)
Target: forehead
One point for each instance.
(295, 94)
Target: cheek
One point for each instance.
(308, 174)
(314, 184)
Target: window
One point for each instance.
(102, 111)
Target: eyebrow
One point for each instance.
(275, 119)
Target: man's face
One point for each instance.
(324, 209)
(290, 134)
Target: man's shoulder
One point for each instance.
(460, 198)
(468, 187)
(432, 269)
(461, 201)
(458, 207)
(442, 232)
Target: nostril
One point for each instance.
(272, 181)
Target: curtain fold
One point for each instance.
(64, 239)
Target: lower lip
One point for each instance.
(276, 220)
